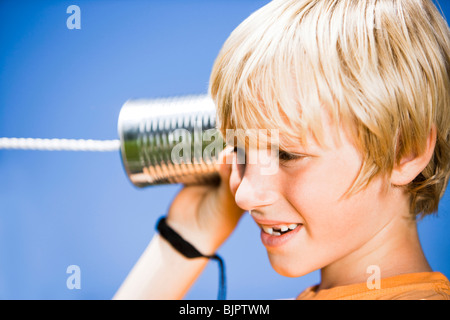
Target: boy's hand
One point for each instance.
(206, 215)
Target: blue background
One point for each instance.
(72, 208)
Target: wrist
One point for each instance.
(206, 244)
(189, 251)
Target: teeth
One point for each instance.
(279, 230)
(268, 230)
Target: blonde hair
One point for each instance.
(380, 67)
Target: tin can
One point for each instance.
(170, 140)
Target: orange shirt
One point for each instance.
(414, 286)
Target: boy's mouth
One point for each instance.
(276, 233)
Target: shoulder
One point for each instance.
(428, 286)
(414, 286)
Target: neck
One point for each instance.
(394, 250)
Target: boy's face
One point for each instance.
(308, 192)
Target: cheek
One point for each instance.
(318, 189)
(318, 196)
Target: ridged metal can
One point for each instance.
(170, 140)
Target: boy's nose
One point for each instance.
(256, 189)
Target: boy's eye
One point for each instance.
(282, 155)
(286, 156)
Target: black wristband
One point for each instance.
(189, 251)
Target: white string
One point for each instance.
(59, 144)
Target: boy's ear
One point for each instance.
(410, 167)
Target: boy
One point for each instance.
(360, 93)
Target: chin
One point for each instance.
(287, 267)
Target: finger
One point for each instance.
(224, 163)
